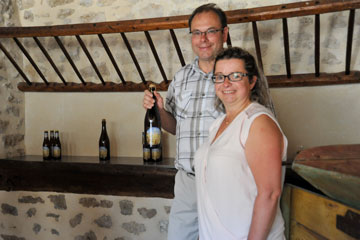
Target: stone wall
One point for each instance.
(50, 215)
(12, 123)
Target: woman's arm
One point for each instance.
(263, 151)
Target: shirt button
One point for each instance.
(200, 114)
(198, 133)
(203, 94)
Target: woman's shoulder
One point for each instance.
(255, 109)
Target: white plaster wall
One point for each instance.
(310, 116)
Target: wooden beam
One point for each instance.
(296, 80)
(175, 22)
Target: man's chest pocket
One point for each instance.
(183, 104)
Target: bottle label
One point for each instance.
(56, 152)
(153, 136)
(155, 154)
(102, 152)
(46, 152)
(146, 154)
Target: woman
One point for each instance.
(238, 171)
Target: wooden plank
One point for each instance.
(122, 176)
(348, 156)
(318, 214)
(335, 170)
(175, 22)
(299, 231)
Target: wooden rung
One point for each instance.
(156, 56)
(87, 53)
(49, 59)
(133, 57)
(67, 55)
(177, 47)
(107, 49)
(30, 60)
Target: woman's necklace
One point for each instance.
(228, 120)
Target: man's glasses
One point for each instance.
(208, 33)
(233, 77)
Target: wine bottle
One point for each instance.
(52, 141)
(104, 143)
(57, 147)
(152, 131)
(46, 146)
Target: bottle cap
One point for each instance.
(152, 87)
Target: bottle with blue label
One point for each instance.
(46, 146)
(152, 147)
(104, 144)
(57, 146)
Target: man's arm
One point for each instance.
(168, 122)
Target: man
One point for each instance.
(188, 112)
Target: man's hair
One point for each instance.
(208, 8)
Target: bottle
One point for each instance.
(152, 131)
(52, 139)
(146, 149)
(57, 146)
(104, 143)
(46, 146)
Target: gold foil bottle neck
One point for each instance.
(152, 87)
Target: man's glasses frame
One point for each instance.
(208, 33)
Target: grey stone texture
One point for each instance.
(11, 237)
(30, 199)
(53, 215)
(104, 221)
(55, 232)
(76, 220)
(126, 207)
(87, 236)
(12, 140)
(3, 126)
(56, 3)
(147, 213)
(59, 201)
(134, 227)
(8, 209)
(36, 228)
(31, 212)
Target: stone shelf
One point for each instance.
(122, 176)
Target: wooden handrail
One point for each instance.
(176, 22)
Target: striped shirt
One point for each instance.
(191, 100)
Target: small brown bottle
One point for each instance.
(57, 147)
(52, 141)
(104, 143)
(46, 146)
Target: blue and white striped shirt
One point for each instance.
(191, 100)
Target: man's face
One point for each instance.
(207, 45)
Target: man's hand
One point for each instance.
(148, 101)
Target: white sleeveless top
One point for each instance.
(226, 188)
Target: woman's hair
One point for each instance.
(260, 92)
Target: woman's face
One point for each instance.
(233, 94)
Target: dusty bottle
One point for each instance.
(52, 141)
(152, 132)
(104, 143)
(46, 146)
(57, 146)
